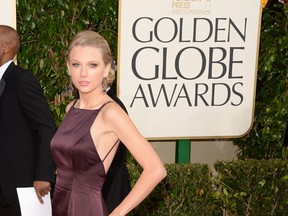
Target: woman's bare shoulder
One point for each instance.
(113, 110)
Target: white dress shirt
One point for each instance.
(3, 68)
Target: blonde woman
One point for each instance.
(86, 141)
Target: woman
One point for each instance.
(86, 141)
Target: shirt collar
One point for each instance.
(3, 68)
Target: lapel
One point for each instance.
(8, 71)
(4, 78)
(2, 86)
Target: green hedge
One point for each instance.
(253, 187)
(187, 190)
(242, 187)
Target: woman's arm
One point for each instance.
(153, 169)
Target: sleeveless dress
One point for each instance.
(80, 171)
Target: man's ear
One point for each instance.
(6, 47)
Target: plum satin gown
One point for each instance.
(80, 171)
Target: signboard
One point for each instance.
(188, 68)
(8, 13)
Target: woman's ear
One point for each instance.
(107, 69)
(68, 67)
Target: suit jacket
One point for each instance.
(285, 142)
(26, 129)
(272, 3)
(117, 183)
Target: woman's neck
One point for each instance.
(91, 101)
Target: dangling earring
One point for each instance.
(104, 84)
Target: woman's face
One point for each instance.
(87, 69)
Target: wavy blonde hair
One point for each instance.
(93, 39)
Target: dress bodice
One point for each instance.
(80, 171)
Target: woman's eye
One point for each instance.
(93, 65)
(75, 64)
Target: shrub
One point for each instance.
(253, 187)
(187, 191)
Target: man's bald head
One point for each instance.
(9, 43)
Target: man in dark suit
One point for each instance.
(26, 129)
(117, 183)
(272, 3)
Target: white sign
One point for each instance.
(188, 68)
(30, 205)
(8, 13)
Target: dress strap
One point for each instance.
(105, 104)
(110, 150)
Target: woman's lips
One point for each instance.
(83, 83)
